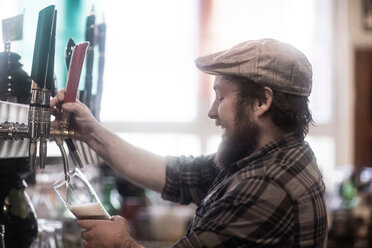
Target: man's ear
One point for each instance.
(261, 107)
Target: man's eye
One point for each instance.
(220, 99)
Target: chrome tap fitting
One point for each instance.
(34, 125)
(44, 125)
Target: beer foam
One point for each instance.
(92, 210)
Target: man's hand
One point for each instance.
(103, 233)
(82, 120)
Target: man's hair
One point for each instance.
(289, 112)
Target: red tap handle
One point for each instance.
(74, 72)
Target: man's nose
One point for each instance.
(212, 113)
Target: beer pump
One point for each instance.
(73, 77)
(69, 142)
(38, 129)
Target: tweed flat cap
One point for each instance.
(267, 62)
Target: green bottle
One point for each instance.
(111, 197)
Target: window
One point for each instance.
(149, 70)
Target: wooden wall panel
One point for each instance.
(363, 108)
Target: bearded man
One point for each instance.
(262, 188)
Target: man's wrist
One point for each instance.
(94, 138)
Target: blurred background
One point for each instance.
(154, 97)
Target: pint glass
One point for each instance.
(80, 198)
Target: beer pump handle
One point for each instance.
(69, 142)
(74, 72)
(72, 85)
(73, 78)
(90, 36)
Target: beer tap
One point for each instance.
(45, 95)
(69, 142)
(73, 77)
(90, 36)
(42, 73)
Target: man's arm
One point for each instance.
(141, 167)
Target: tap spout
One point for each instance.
(66, 166)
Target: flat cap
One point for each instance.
(267, 62)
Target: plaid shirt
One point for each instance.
(273, 198)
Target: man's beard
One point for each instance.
(239, 144)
